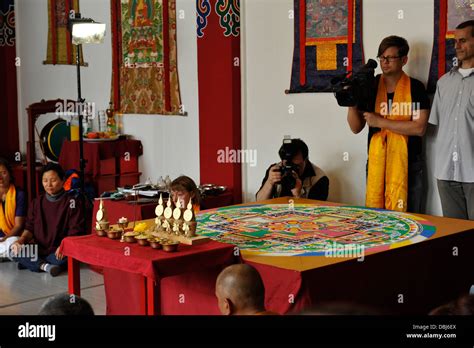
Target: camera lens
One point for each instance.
(287, 179)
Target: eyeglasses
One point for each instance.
(387, 59)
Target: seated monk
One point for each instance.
(240, 291)
(54, 215)
(464, 305)
(12, 211)
(66, 304)
(183, 189)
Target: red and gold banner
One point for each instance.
(60, 49)
(328, 42)
(145, 69)
(448, 15)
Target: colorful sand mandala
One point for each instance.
(311, 230)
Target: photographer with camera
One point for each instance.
(295, 176)
(397, 121)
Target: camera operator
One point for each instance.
(304, 180)
(395, 178)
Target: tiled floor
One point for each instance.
(23, 292)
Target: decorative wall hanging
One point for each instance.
(60, 49)
(229, 16)
(145, 74)
(8, 97)
(203, 10)
(7, 24)
(328, 43)
(448, 14)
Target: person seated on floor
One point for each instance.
(183, 189)
(301, 179)
(464, 305)
(12, 211)
(240, 291)
(52, 216)
(66, 304)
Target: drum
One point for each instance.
(53, 136)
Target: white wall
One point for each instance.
(170, 143)
(267, 46)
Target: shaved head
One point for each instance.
(241, 288)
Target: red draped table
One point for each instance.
(427, 274)
(141, 280)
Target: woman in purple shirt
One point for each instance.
(54, 215)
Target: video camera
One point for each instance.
(287, 152)
(357, 88)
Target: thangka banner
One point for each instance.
(8, 83)
(60, 48)
(145, 74)
(448, 14)
(328, 42)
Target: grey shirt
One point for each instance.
(453, 113)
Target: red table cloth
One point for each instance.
(190, 273)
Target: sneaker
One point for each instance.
(52, 269)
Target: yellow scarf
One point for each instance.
(7, 219)
(387, 181)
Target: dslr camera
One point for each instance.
(287, 152)
(356, 88)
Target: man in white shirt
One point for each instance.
(453, 113)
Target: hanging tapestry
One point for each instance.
(60, 48)
(328, 43)
(448, 14)
(9, 144)
(145, 69)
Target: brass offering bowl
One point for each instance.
(142, 239)
(101, 233)
(129, 237)
(143, 242)
(114, 234)
(170, 246)
(155, 243)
